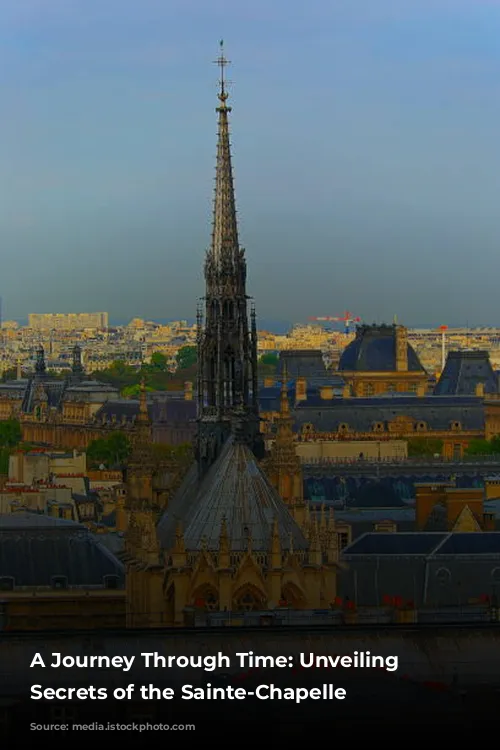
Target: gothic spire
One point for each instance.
(225, 229)
(227, 342)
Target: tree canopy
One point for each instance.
(111, 451)
(156, 375)
(10, 438)
(10, 433)
(424, 446)
(484, 447)
(133, 391)
(187, 356)
(269, 359)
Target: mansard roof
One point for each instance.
(56, 390)
(425, 543)
(308, 364)
(270, 396)
(463, 371)
(395, 543)
(360, 414)
(374, 350)
(174, 411)
(35, 548)
(235, 490)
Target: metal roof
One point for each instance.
(426, 544)
(397, 543)
(36, 548)
(237, 491)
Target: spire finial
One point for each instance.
(222, 62)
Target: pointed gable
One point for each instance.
(466, 521)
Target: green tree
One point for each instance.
(269, 359)
(495, 444)
(133, 391)
(10, 433)
(484, 447)
(187, 356)
(111, 451)
(478, 448)
(118, 374)
(423, 446)
(10, 438)
(159, 361)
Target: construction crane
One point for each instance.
(347, 318)
(443, 330)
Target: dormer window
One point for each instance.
(343, 427)
(456, 426)
(443, 576)
(378, 427)
(59, 582)
(421, 426)
(308, 428)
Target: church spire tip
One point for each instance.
(222, 62)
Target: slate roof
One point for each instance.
(123, 407)
(35, 548)
(438, 412)
(433, 545)
(463, 371)
(173, 411)
(56, 390)
(113, 541)
(398, 543)
(374, 350)
(480, 543)
(376, 515)
(91, 386)
(234, 489)
(270, 397)
(302, 363)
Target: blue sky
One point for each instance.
(365, 142)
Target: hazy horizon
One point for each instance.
(365, 156)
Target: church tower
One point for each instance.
(227, 338)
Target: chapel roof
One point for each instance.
(234, 490)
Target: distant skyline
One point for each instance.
(365, 155)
